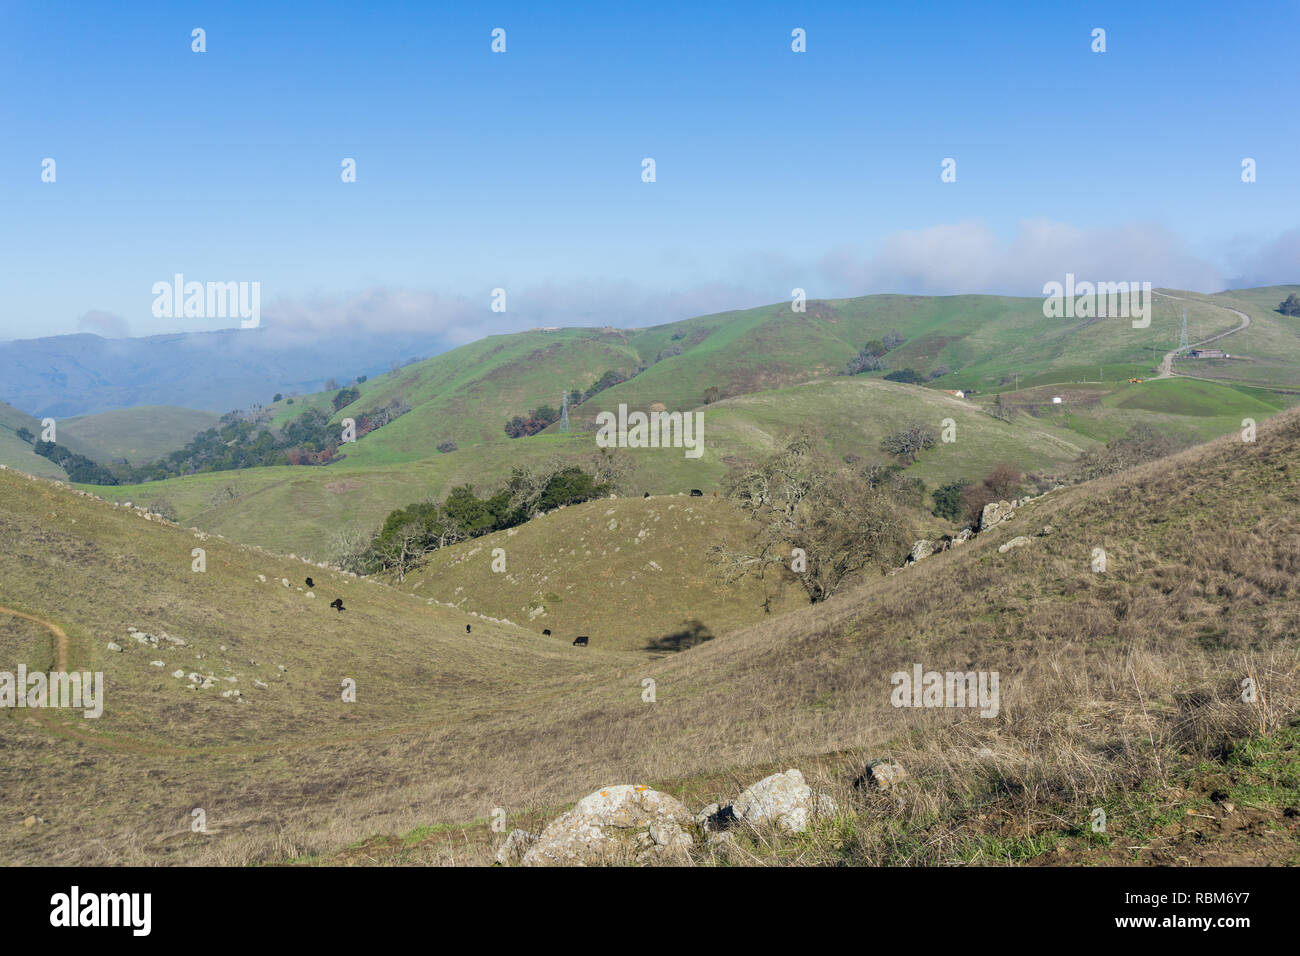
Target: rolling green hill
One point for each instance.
(302, 509)
(776, 372)
(468, 394)
(17, 453)
(138, 434)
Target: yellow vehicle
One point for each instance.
(1135, 381)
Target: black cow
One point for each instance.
(309, 584)
(580, 640)
(647, 494)
(696, 493)
(546, 631)
(337, 604)
(467, 629)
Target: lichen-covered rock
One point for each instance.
(611, 826)
(783, 799)
(1018, 542)
(921, 549)
(996, 512)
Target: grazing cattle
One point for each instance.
(467, 630)
(309, 584)
(647, 494)
(580, 640)
(696, 493)
(337, 604)
(546, 631)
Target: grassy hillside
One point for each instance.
(17, 453)
(1111, 683)
(1186, 410)
(775, 369)
(138, 434)
(468, 394)
(301, 509)
(627, 572)
(1264, 353)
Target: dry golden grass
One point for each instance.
(1109, 683)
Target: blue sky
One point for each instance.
(522, 170)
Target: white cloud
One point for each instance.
(945, 259)
(107, 324)
(969, 258)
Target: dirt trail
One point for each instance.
(1167, 363)
(61, 639)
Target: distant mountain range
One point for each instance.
(84, 374)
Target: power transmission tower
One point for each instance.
(1182, 339)
(564, 411)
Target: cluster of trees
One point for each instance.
(537, 419)
(908, 443)
(345, 396)
(240, 441)
(872, 356)
(905, 375)
(841, 521)
(79, 468)
(409, 534)
(1290, 305)
(965, 501)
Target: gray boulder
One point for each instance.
(784, 800)
(621, 824)
(996, 512)
(1017, 542)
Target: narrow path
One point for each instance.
(1167, 363)
(61, 639)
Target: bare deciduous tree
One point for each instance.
(801, 499)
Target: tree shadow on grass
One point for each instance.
(692, 633)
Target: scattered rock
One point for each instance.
(1018, 542)
(783, 799)
(921, 549)
(178, 673)
(157, 664)
(1047, 529)
(112, 647)
(882, 775)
